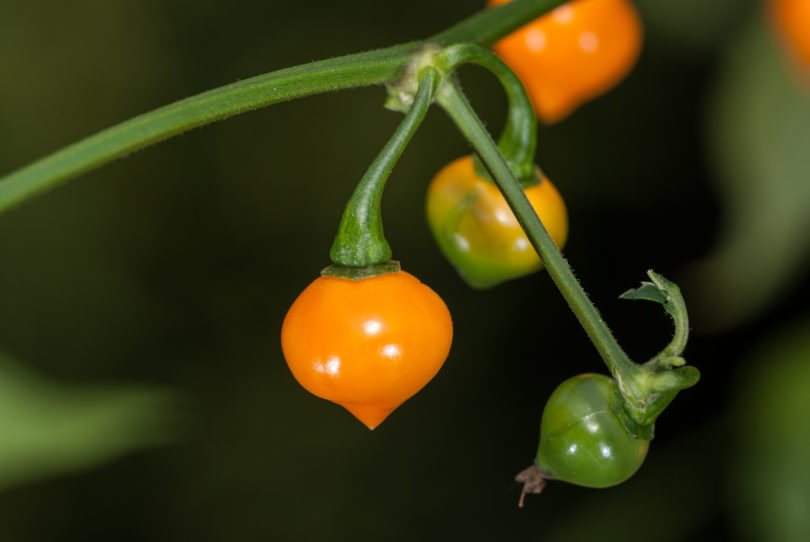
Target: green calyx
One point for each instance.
(526, 182)
(642, 392)
(360, 273)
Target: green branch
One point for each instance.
(622, 368)
(645, 390)
(377, 67)
(350, 71)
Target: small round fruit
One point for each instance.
(368, 344)
(477, 231)
(582, 441)
(576, 52)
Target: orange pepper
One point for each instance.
(368, 344)
(792, 21)
(574, 53)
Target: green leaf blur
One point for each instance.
(759, 124)
(49, 429)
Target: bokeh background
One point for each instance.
(143, 394)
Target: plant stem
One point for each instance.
(621, 367)
(105, 146)
(360, 241)
(375, 67)
(518, 141)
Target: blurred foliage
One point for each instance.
(174, 268)
(48, 428)
(692, 27)
(770, 480)
(760, 129)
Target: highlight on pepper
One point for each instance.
(573, 54)
(477, 231)
(369, 344)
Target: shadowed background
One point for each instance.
(143, 395)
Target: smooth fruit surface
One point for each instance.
(574, 53)
(582, 441)
(367, 344)
(477, 231)
(792, 21)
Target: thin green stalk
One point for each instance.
(377, 67)
(360, 241)
(518, 141)
(622, 368)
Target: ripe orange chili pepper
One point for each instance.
(368, 344)
(573, 54)
(792, 21)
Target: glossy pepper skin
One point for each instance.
(576, 52)
(791, 19)
(582, 441)
(477, 231)
(368, 344)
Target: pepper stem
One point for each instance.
(518, 141)
(453, 101)
(645, 389)
(360, 241)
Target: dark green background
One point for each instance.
(175, 266)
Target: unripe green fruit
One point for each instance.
(582, 441)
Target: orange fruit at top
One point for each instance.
(572, 54)
(792, 21)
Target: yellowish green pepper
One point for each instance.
(477, 231)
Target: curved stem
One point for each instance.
(621, 367)
(360, 241)
(376, 67)
(518, 141)
(363, 69)
(676, 306)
